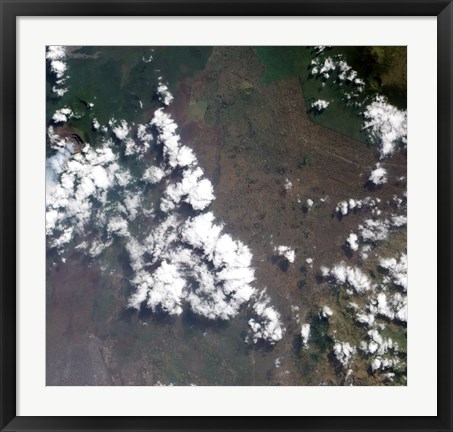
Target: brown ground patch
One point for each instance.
(255, 136)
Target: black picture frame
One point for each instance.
(10, 10)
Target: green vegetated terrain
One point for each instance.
(382, 68)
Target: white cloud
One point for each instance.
(164, 289)
(64, 238)
(133, 204)
(326, 312)
(399, 221)
(62, 115)
(342, 207)
(60, 91)
(143, 134)
(393, 307)
(344, 353)
(325, 67)
(175, 154)
(377, 344)
(164, 93)
(133, 147)
(201, 233)
(167, 289)
(305, 334)
(153, 175)
(397, 270)
(320, 105)
(350, 276)
(122, 177)
(379, 175)
(381, 351)
(122, 130)
(119, 226)
(58, 67)
(55, 140)
(74, 182)
(286, 252)
(364, 318)
(373, 230)
(192, 189)
(352, 241)
(386, 125)
(346, 206)
(366, 248)
(56, 54)
(380, 363)
(266, 325)
(217, 269)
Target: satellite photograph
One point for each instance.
(226, 216)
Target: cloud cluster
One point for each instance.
(176, 261)
(379, 175)
(386, 125)
(153, 175)
(384, 299)
(138, 145)
(324, 67)
(397, 270)
(266, 325)
(176, 155)
(320, 48)
(62, 115)
(381, 351)
(56, 55)
(393, 307)
(365, 318)
(164, 93)
(210, 271)
(55, 141)
(192, 189)
(305, 334)
(77, 185)
(286, 252)
(398, 221)
(121, 130)
(216, 270)
(353, 205)
(373, 230)
(400, 202)
(344, 352)
(352, 277)
(288, 184)
(353, 242)
(326, 312)
(320, 105)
